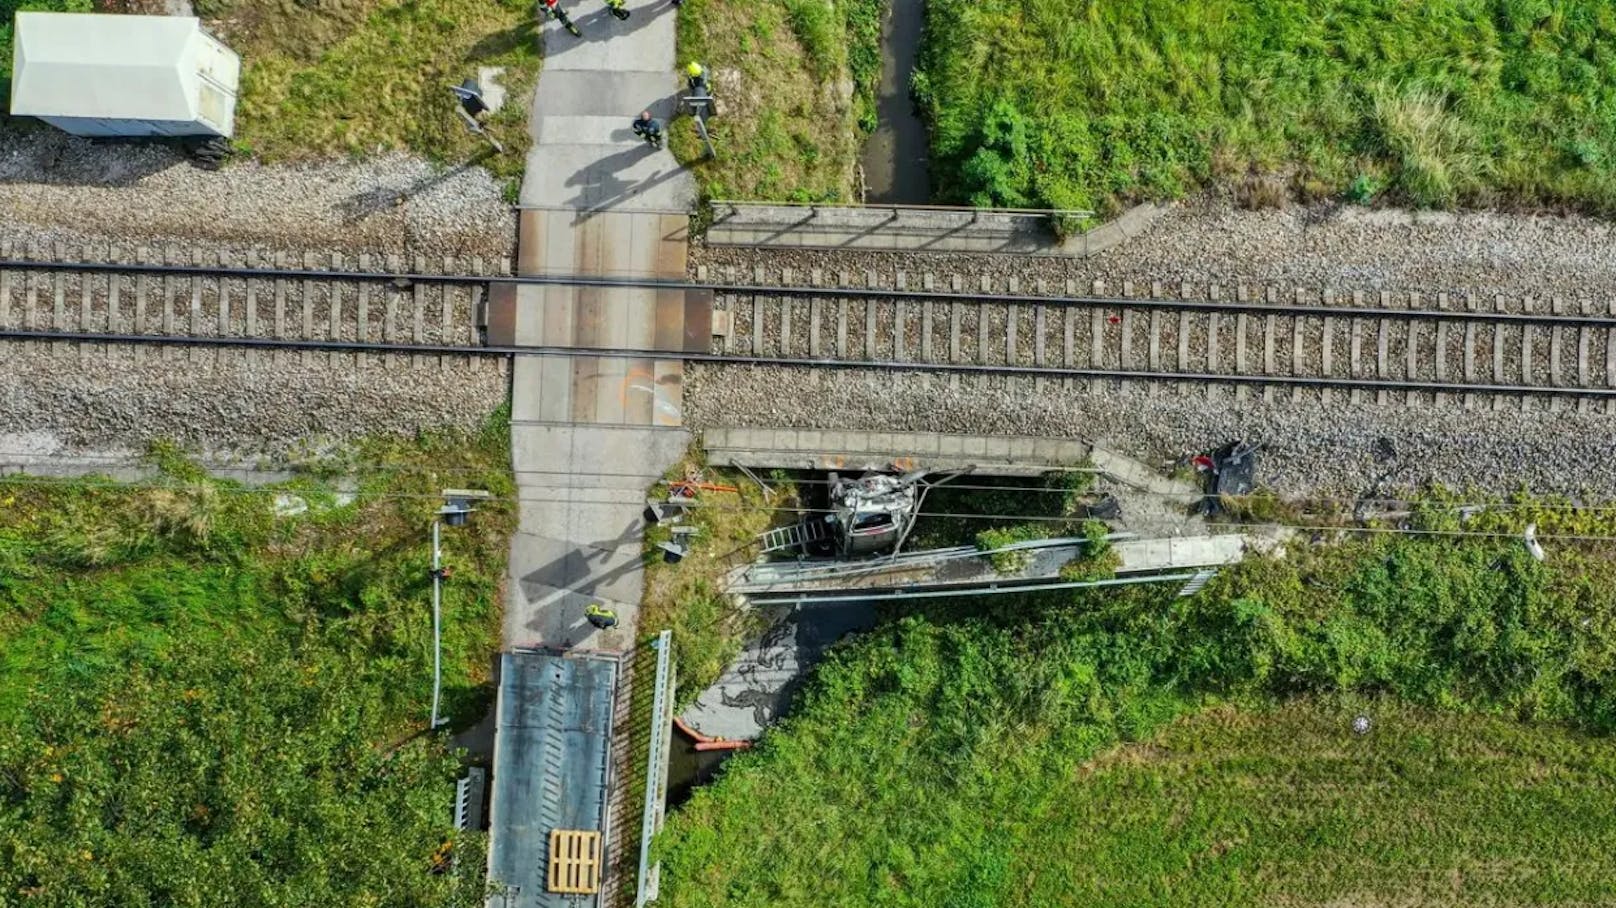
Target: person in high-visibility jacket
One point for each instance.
(600, 616)
(697, 77)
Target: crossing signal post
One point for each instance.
(456, 509)
(471, 107)
(702, 105)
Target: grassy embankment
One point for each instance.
(795, 82)
(359, 76)
(202, 703)
(980, 757)
(1103, 102)
(687, 598)
(353, 77)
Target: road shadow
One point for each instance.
(598, 27)
(601, 187)
(32, 152)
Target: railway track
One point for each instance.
(369, 302)
(1389, 347)
(1481, 352)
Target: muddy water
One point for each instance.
(894, 155)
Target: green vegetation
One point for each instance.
(687, 598)
(360, 76)
(1001, 507)
(204, 703)
(354, 77)
(1103, 102)
(795, 83)
(969, 756)
(1288, 806)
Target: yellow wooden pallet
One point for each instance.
(574, 861)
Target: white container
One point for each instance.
(102, 75)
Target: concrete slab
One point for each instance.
(581, 528)
(825, 449)
(607, 176)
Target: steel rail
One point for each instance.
(225, 271)
(1233, 307)
(1371, 384)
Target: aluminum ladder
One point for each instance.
(1201, 578)
(798, 535)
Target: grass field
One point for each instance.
(1124, 748)
(1101, 102)
(204, 703)
(795, 82)
(352, 77)
(1289, 807)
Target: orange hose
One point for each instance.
(706, 742)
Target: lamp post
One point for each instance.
(455, 511)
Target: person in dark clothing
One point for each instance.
(648, 128)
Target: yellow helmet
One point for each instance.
(694, 69)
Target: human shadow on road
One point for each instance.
(601, 187)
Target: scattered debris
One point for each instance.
(1532, 543)
(1230, 470)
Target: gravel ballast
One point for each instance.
(1209, 241)
(56, 188)
(253, 403)
(1308, 447)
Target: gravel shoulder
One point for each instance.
(1309, 447)
(56, 188)
(1341, 248)
(220, 402)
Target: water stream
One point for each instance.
(894, 158)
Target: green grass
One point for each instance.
(688, 598)
(1288, 806)
(354, 77)
(967, 755)
(357, 77)
(795, 81)
(202, 703)
(1102, 102)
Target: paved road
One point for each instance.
(588, 435)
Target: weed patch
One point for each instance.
(688, 598)
(1130, 747)
(795, 81)
(355, 77)
(204, 702)
(1101, 103)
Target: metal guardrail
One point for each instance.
(736, 205)
(656, 770)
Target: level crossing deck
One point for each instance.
(588, 434)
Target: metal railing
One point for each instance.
(734, 206)
(656, 770)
